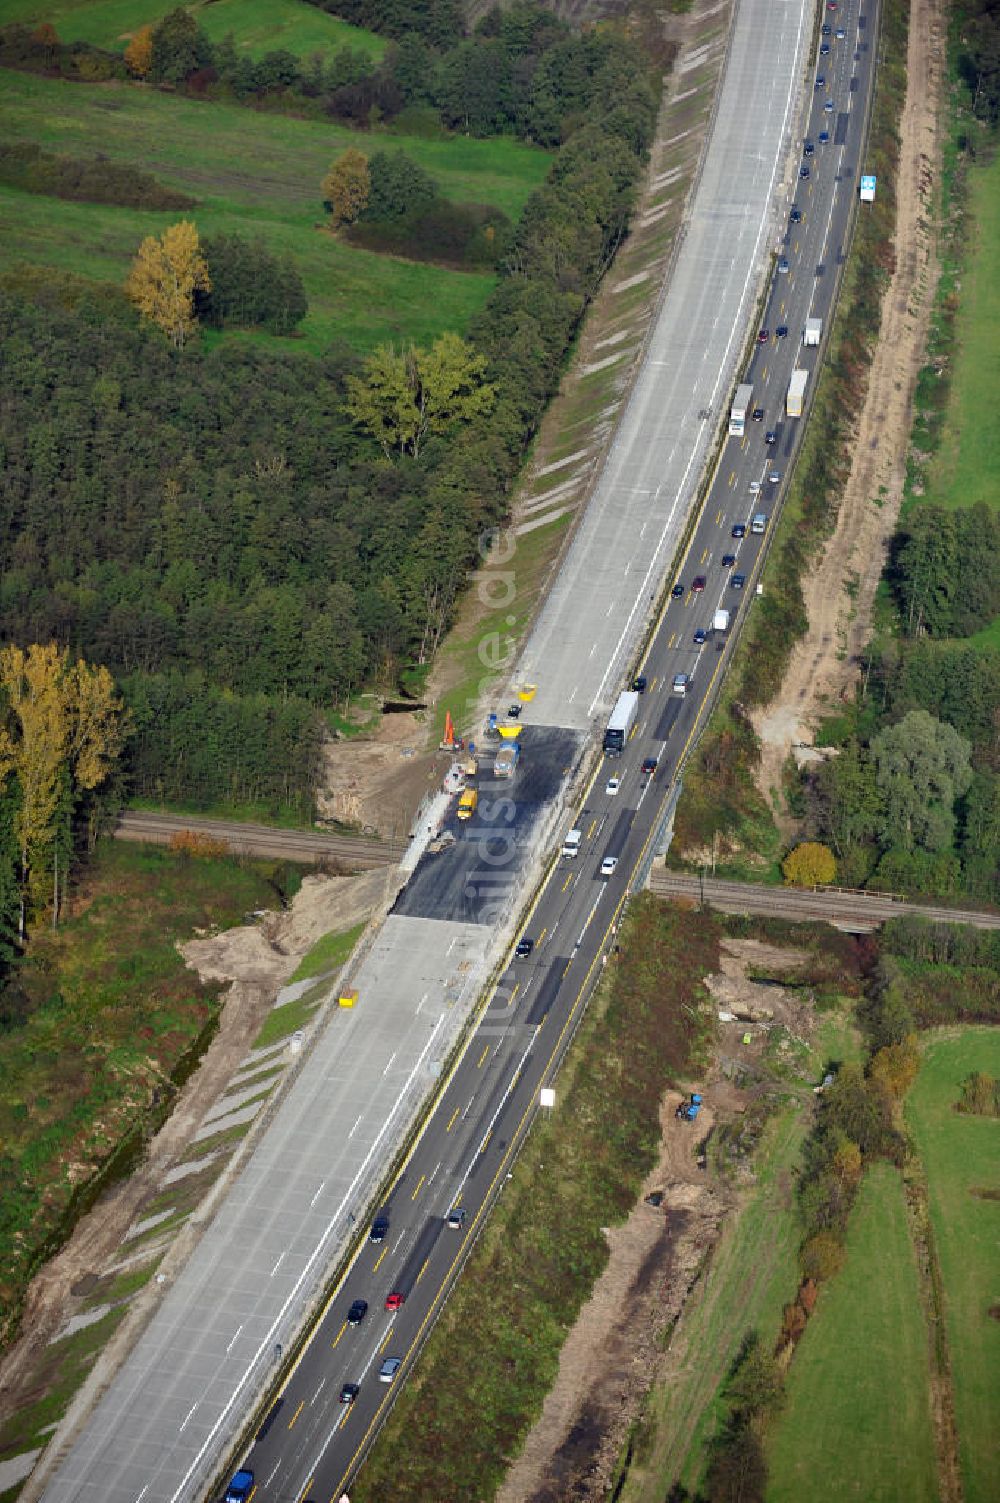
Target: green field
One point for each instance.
(256, 174)
(961, 1158)
(257, 26)
(858, 1422)
(967, 466)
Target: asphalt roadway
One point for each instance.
(174, 1408)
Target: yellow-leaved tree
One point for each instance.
(61, 732)
(347, 186)
(809, 865)
(164, 278)
(139, 53)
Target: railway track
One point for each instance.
(357, 852)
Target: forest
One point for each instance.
(214, 525)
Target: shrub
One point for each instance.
(822, 1257)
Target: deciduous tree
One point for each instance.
(403, 396)
(809, 865)
(139, 53)
(347, 186)
(164, 278)
(922, 767)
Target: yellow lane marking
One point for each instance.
(482, 1057)
(422, 1272)
(567, 882)
(417, 1190)
(340, 1333)
(295, 1416)
(451, 1124)
(385, 1249)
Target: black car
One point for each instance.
(357, 1312)
(728, 560)
(804, 172)
(824, 50)
(825, 29)
(349, 1392)
(639, 683)
(758, 414)
(796, 215)
(677, 591)
(524, 948)
(808, 149)
(738, 581)
(771, 438)
(380, 1229)
(514, 712)
(739, 530)
(820, 81)
(699, 637)
(781, 332)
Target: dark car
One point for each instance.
(357, 1312)
(826, 29)
(699, 637)
(677, 591)
(820, 81)
(763, 336)
(698, 584)
(808, 149)
(728, 560)
(771, 437)
(395, 1300)
(804, 172)
(824, 50)
(456, 1218)
(380, 1229)
(514, 711)
(349, 1392)
(739, 530)
(783, 265)
(524, 948)
(758, 414)
(649, 766)
(738, 581)
(781, 332)
(796, 215)
(639, 683)
(824, 138)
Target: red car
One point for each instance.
(698, 584)
(394, 1300)
(763, 336)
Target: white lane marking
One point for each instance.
(388, 1067)
(187, 1417)
(234, 1340)
(278, 1264)
(356, 1126)
(437, 1166)
(322, 1384)
(313, 1201)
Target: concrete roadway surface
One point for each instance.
(636, 516)
(316, 1443)
(260, 840)
(854, 912)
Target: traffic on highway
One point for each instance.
(333, 1401)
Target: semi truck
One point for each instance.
(506, 759)
(740, 410)
(621, 723)
(812, 332)
(796, 393)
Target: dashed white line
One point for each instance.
(388, 1067)
(278, 1264)
(314, 1200)
(357, 1124)
(234, 1340)
(187, 1417)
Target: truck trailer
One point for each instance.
(621, 723)
(740, 410)
(796, 393)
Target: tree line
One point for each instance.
(222, 527)
(521, 71)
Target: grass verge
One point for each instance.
(961, 1159)
(103, 1014)
(858, 1422)
(495, 1350)
(329, 953)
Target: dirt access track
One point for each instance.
(839, 592)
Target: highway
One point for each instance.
(315, 1443)
(172, 1411)
(260, 840)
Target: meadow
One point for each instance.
(857, 1422)
(961, 1160)
(257, 26)
(256, 174)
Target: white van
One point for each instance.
(759, 522)
(571, 845)
(681, 681)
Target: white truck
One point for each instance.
(621, 723)
(813, 332)
(571, 845)
(796, 393)
(740, 410)
(720, 621)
